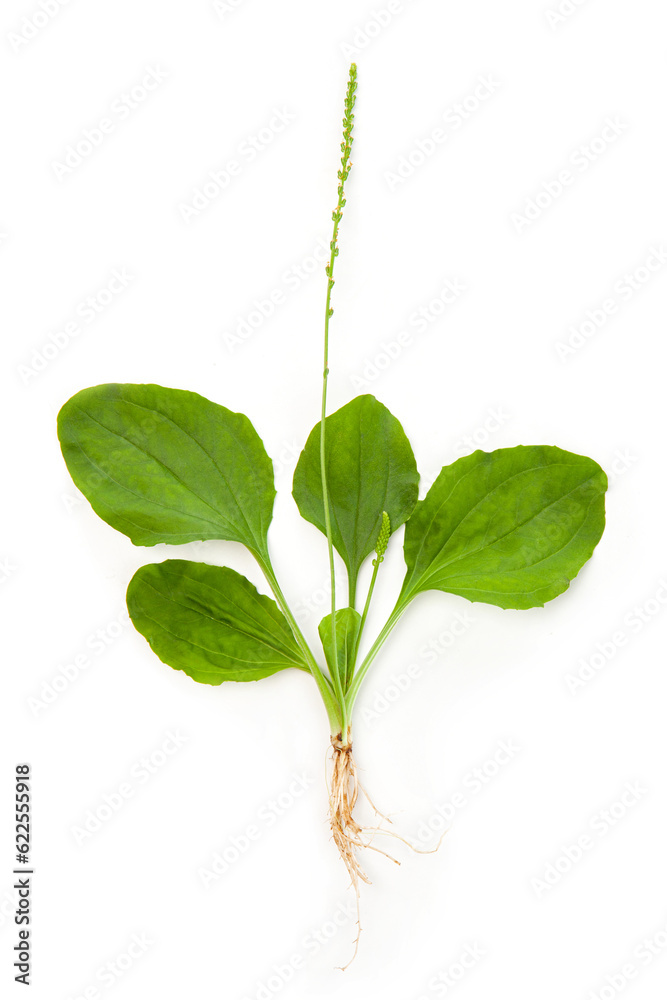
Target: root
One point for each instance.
(343, 795)
(349, 837)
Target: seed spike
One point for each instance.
(383, 537)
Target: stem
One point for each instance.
(376, 567)
(346, 147)
(327, 521)
(324, 684)
(380, 549)
(353, 689)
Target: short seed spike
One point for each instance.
(383, 537)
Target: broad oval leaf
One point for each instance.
(347, 633)
(370, 468)
(210, 622)
(167, 465)
(511, 527)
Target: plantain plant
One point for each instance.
(511, 528)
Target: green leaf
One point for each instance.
(166, 465)
(511, 527)
(348, 622)
(370, 468)
(210, 622)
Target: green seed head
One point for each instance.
(383, 537)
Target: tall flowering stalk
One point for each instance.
(337, 215)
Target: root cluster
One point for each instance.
(343, 795)
(348, 835)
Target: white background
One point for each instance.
(505, 678)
